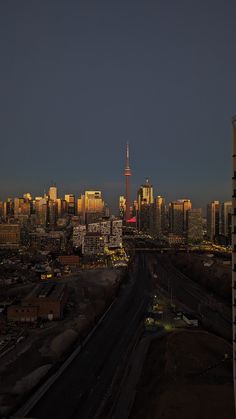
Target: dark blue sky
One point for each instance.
(80, 78)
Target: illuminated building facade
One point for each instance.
(178, 216)
(194, 226)
(226, 221)
(213, 221)
(22, 206)
(70, 200)
(122, 207)
(52, 213)
(8, 209)
(90, 206)
(160, 215)
(52, 193)
(146, 211)
(41, 210)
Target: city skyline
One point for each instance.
(52, 191)
(112, 199)
(78, 84)
(62, 193)
(118, 209)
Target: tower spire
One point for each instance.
(127, 184)
(127, 155)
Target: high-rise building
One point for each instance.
(78, 235)
(122, 207)
(52, 213)
(160, 215)
(27, 196)
(8, 209)
(91, 206)
(226, 221)
(22, 207)
(194, 226)
(178, 216)
(115, 239)
(64, 207)
(58, 208)
(146, 211)
(145, 194)
(41, 210)
(127, 185)
(234, 253)
(52, 193)
(213, 221)
(135, 208)
(1, 209)
(70, 199)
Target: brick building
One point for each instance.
(47, 301)
(9, 236)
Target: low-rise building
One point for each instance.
(51, 241)
(176, 240)
(10, 236)
(71, 260)
(47, 301)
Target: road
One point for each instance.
(193, 296)
(85, 384)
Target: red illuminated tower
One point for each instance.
(127, 185)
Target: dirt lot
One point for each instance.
(90, 292)
(175, 384)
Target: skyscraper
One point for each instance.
(127, 185)
(178, 216)
(145, 213)
(70, 199)
(226, 221)
(122, 206)
(194, 226)
(22, 207)
(41, 210)
(234, 253)
(160, 215)
(213, 220)
(52, 193)
(8, 209)
(91, 206)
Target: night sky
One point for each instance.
(79, 78)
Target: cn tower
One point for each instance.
(127, 185)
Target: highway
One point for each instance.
(84, 386)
